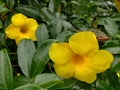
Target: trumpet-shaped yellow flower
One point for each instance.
(21, 27)
(80, 58)
(117, 4)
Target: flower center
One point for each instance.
(24, 30)
(78, 60)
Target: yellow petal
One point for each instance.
(12, 32)
(60, 53)
(117, 4)
(21, 36)
(64, 70)
(29, 28)
(118, 74)
(18, 19)
(83, 43)
(100, 61)
(85, 74)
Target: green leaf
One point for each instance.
(56, 26)
(75, 2)
(111, 43)
(62, 37)
(117, 67)
(20, 80)
(116, 64)
(29, 87)
(1, 25)
(25, 51)
(46, 80)
(67, 25)
(10, 3)
(41, 57)
(46, 15)
(29, 10)
(116, 17)
(51, 5)
(2, 40)
(42, 33)
(103, 85)
(7, 21)
(109, 25)
(113, 50)
(3, 8)
(67, 83)
(54, 5)
(113, 46)
(113, 79)
(34, 3)
(6, 77)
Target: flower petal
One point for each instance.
(12, 32)
(18, 19)
(85, 74)
(64, 70)
(21, 36)
(29, 28)
(83, 43)
(100, 61)
(60, 53)
(117, 4)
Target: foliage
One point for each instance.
(27, 66)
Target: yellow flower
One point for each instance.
(118, 74)
(117, 4)
(80, 58)
(21, 27)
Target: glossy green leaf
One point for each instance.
(109, 25)
(20, 80)
(75, 2)
(56, 26)
(62, 37)
(103, 85)
(25, 51)
(29, 87)
(7, 21)
(34, 3)
(29, 10)
(1, 25)
(48, 13)
(42, 33)
(113, 80)
(46, 80)
(10, 3)
(2, 40)
(6, 76)
(67, 25)
(116, 18)
(67, 83)
(54, 5)
(116, 64)
(114, 50)
(51, 5)
(3, 8)
(41, 57)
(113, 46)
(116, 67)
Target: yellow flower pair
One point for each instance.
(21, 27)
(80, 58)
